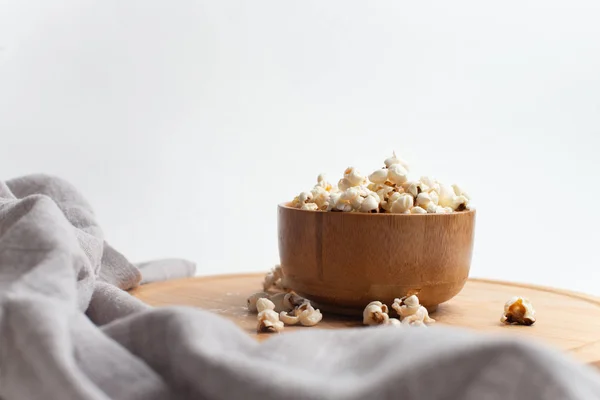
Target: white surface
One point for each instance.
(186, 124)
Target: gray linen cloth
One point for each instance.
(69, 331)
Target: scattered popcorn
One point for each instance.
(263, 304)
(291, 300)
(304, 314)
(288, 319)
(273, 279)
(375, 313)
(411, 312)
(280, 302)
(518, 310)
(385, 190)
(251, 302)
(268, 322)
(310, 316)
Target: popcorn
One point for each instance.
(288, 319)
(344, 184)
(397, 174)
(305, 197)
(304, 314)
(518, 310)
(394, 160)
(404, 203)
(394, 321)
(413, 188)
(309, 207)
(321, 182)
(375, 313)
(429, 184)
(459, 192)
(431, 208)
(310, 316)
(320, 196)
(268, 322)
(371, 203)
(278, 300)
(446, 196)
(411, 312)
(273, 278)
(291, 300)
(251, 301)
(385, 190)
(353, 177)
(423, 199)
(263, 304)
(379, 176)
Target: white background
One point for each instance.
(185, 123)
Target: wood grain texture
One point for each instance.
(342, 260)
(565, 320)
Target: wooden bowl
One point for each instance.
(343, 261)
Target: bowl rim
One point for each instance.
(286, 206)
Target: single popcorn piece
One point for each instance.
(459, 203)
(251, 301)
(263, 304)
(344, 184)
(394, 160)
(404, 203)
(423, 199)
(375, 313)
(305, 197)
(394, 322)
(446, 196)
(380, 176)
(397, 174)
(268, 322)
(518, 310)
(310, 316)
(309, 207)
(418, 210)
(411, 312)
(354, 177)
(371, 203)
(459, 192)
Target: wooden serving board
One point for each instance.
(566, 320)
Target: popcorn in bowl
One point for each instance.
(386, 190)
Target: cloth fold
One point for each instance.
(70, 331)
